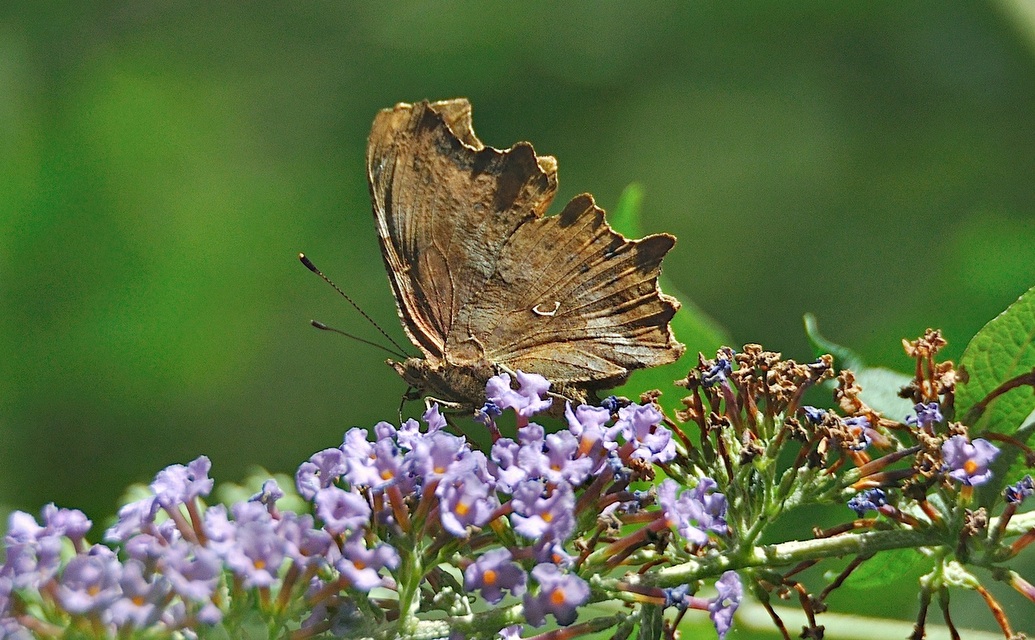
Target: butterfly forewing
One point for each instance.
(444, 205)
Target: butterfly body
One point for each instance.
(485, 282)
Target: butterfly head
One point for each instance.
(462, 387)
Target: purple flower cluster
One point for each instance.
(387, 494)
(164, 579)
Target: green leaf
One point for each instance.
(1009, 466)
(625, 217)
(691, 326)
(883, 569)
(844, 358)
(880, 386)
(1003, 349)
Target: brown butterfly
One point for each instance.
(485, 283)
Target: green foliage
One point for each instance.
(691, 325)
(1000, 352)
(881, 571)
(880, 386)
(628, 211)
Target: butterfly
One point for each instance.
(485, 282)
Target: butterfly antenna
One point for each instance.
(319, 325)
(322, 327)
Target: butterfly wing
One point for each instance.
(444, 206)
(575, 301)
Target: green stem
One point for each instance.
(795, 551)
(787, 553)
(410, 576)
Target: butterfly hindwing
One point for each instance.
(575, 301)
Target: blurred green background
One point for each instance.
(162, 163)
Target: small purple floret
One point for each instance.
(859, 428)
(487, 413)
(869, 500)
(465, 501)
(133, 518)
(513, 632)
(588, 424)
(341, 511)
(178, 484)
(360, 458)
(504, 464)
(926, 415)
(90, 584)
(968, 462)
(559, 593)
(71, 523)
(142, 598)
(718, 372)
(694, 512)
(192, 570)
(433, 455)
(814, 415)
(492, 573)
(1016, 493)
(641, 425)
(556, 459)
(722, 608)
(321, 470)
(434, 419)
(268, 495)
(538, 516)
(257, 554)
(360, 566)
(527, 400)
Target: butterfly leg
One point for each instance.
(502, 368)
(409, 395)
(428, 401)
